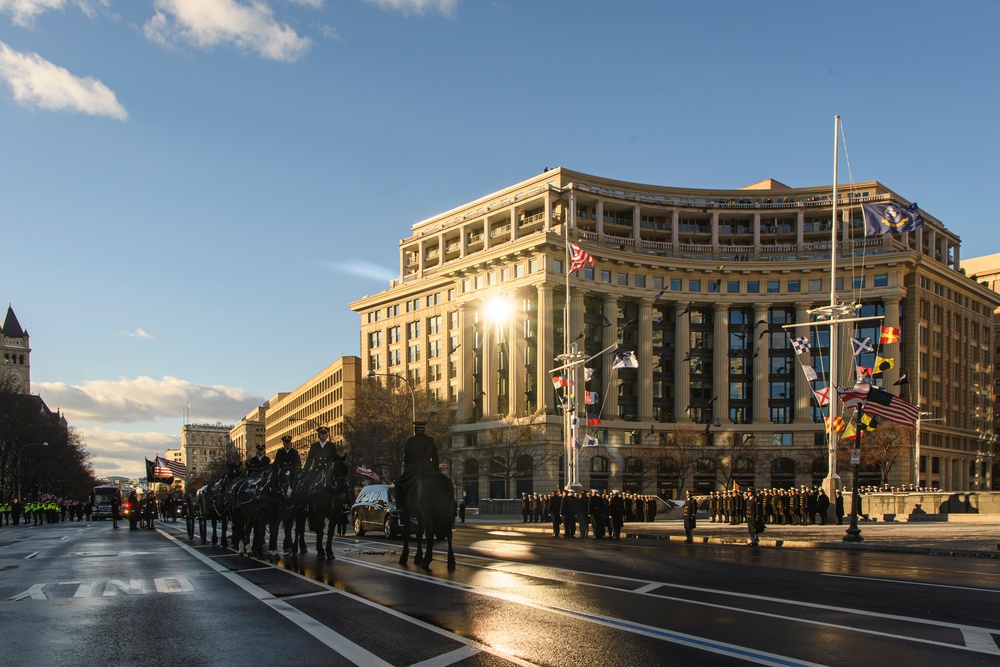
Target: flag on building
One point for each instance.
(888, 335)
(891, 218)
(593, 398)
(560, 381)
(588, 374)
(578, 258)
(592, 419)
(862, 346)
(589, 440)
(625, 360)
(810, 372)
(801, 344)
(893, 408)
(368, 472)
(822, 396)
(864, 373)
(882, 364)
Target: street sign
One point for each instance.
(855, 457)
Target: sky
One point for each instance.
(193, 191)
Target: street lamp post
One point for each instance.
(413, 397)
(17, 466)
(853, 532)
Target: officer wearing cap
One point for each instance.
(287, 455)
(420, 457)
(259, 462)
(322, 452)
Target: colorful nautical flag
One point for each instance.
(891, 218)
(589, 440)
(852, 398)
(801, 344)
(588, 374)
(593, 398)
(882, 364)
(810, 372)
(838, 424)
(862, 346)
(864, 372)
(560, 381)
(578, 258)
(822, 395)
(625, 360)
(592, 419)
(888, 335)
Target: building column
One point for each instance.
(636, 234)
(715, 230)
(675, 231)
(802, 387)
(756, 232)
(463, 241)
(547, 215)
(682, 375)
(891, 304)
(761, 365)
(800, 230)
(515, 360)
(645, 359)
(608, 374)
(720, 361)
(599, 212)
(544, 347)
(512, 213)
(465, 357)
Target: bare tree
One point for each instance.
(736, 448)
(513, 449)
(881, 447)
(683, 447)
(382, 421)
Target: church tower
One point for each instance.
(16, 352)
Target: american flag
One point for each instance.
(578, 258)
(166, 468)
(883, 404)
(367, 472)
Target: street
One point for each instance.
(83, 593)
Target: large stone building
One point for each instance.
(14, 343)
(249, 433)
(986, 271)
(323, 400)
(699, 284)
(204, 443)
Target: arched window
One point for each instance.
(600, 468)
(470, 482)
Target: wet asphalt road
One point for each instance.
(84, 594)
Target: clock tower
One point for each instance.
(16, 351)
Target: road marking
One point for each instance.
(32, 555)
(35, 593)
(173, 585)
(115, 586)
(333, 640)
(449, 658)
(915, 583)
(85, 589)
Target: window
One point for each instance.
(881, 280)
(640, 281)
(781, 440)
(815, 285)
(656, 282)
(694, 286)
(434, 324)
(623, 279)
(773, 286)
(375, 339)
(557, 266)
(794, 286)
(393, 334)
(714, 285)
(753, 287)
(588, 273)
(733, 287)
(675, 284)
(532, 265)
(605, 276)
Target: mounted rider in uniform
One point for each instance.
(420, 457)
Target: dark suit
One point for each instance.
(420, 457)
(258, 462)
(321, 454)
(690, 518)
(287, 457)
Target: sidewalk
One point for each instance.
(981, 540)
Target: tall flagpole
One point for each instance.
(832, 481)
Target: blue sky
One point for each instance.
(192, 191)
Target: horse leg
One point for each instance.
(451, 553)
(429, 553)
(317, 525)
(329, 539)
(300, 531)
(404, 557)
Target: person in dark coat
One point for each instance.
(259, 462)
(16, 509)
(822, 506)
(839, 508)
(420, 457)
(616, 515)
(690, 516)
(116, 508)
(567, 510)
(322, 452)
(555, 503)
(287, 455)
(754, 517)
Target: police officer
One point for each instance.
(420, 457)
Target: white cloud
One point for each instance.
(24, 12)
(446, 7)
(37, 83)
(356, 267)
(138, 333)
(145, 399)
(314, 4)
(208, 23)
(124, 454)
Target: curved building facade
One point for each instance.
(701, 285)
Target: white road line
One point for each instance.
(32, 555)
(333, 640)
(450, 658)
(914, 583)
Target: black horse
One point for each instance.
(213, 506)
(431, 501)
(326, 506)
(276, 502)
(246, 496)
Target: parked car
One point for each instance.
(375, 509)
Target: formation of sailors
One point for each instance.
(792, 507)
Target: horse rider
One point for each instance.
(420, 457)
(259, 462)
(287, 455)
(322, 452)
